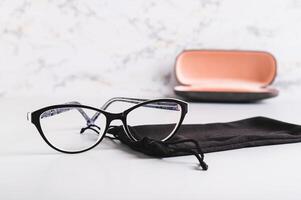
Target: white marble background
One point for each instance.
(118, 47)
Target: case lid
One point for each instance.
(220, 68)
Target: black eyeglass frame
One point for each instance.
(36, 116)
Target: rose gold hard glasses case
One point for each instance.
(225, 75)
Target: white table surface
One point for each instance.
(29, 169)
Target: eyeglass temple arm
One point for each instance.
(159, 105)
(56, 111)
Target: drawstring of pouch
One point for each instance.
(160, 148)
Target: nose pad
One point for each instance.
(92, 127)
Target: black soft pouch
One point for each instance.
(196, 139)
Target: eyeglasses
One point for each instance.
(75, 128)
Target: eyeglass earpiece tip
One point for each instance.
(204, 166)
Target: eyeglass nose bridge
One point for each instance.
(116, 116)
